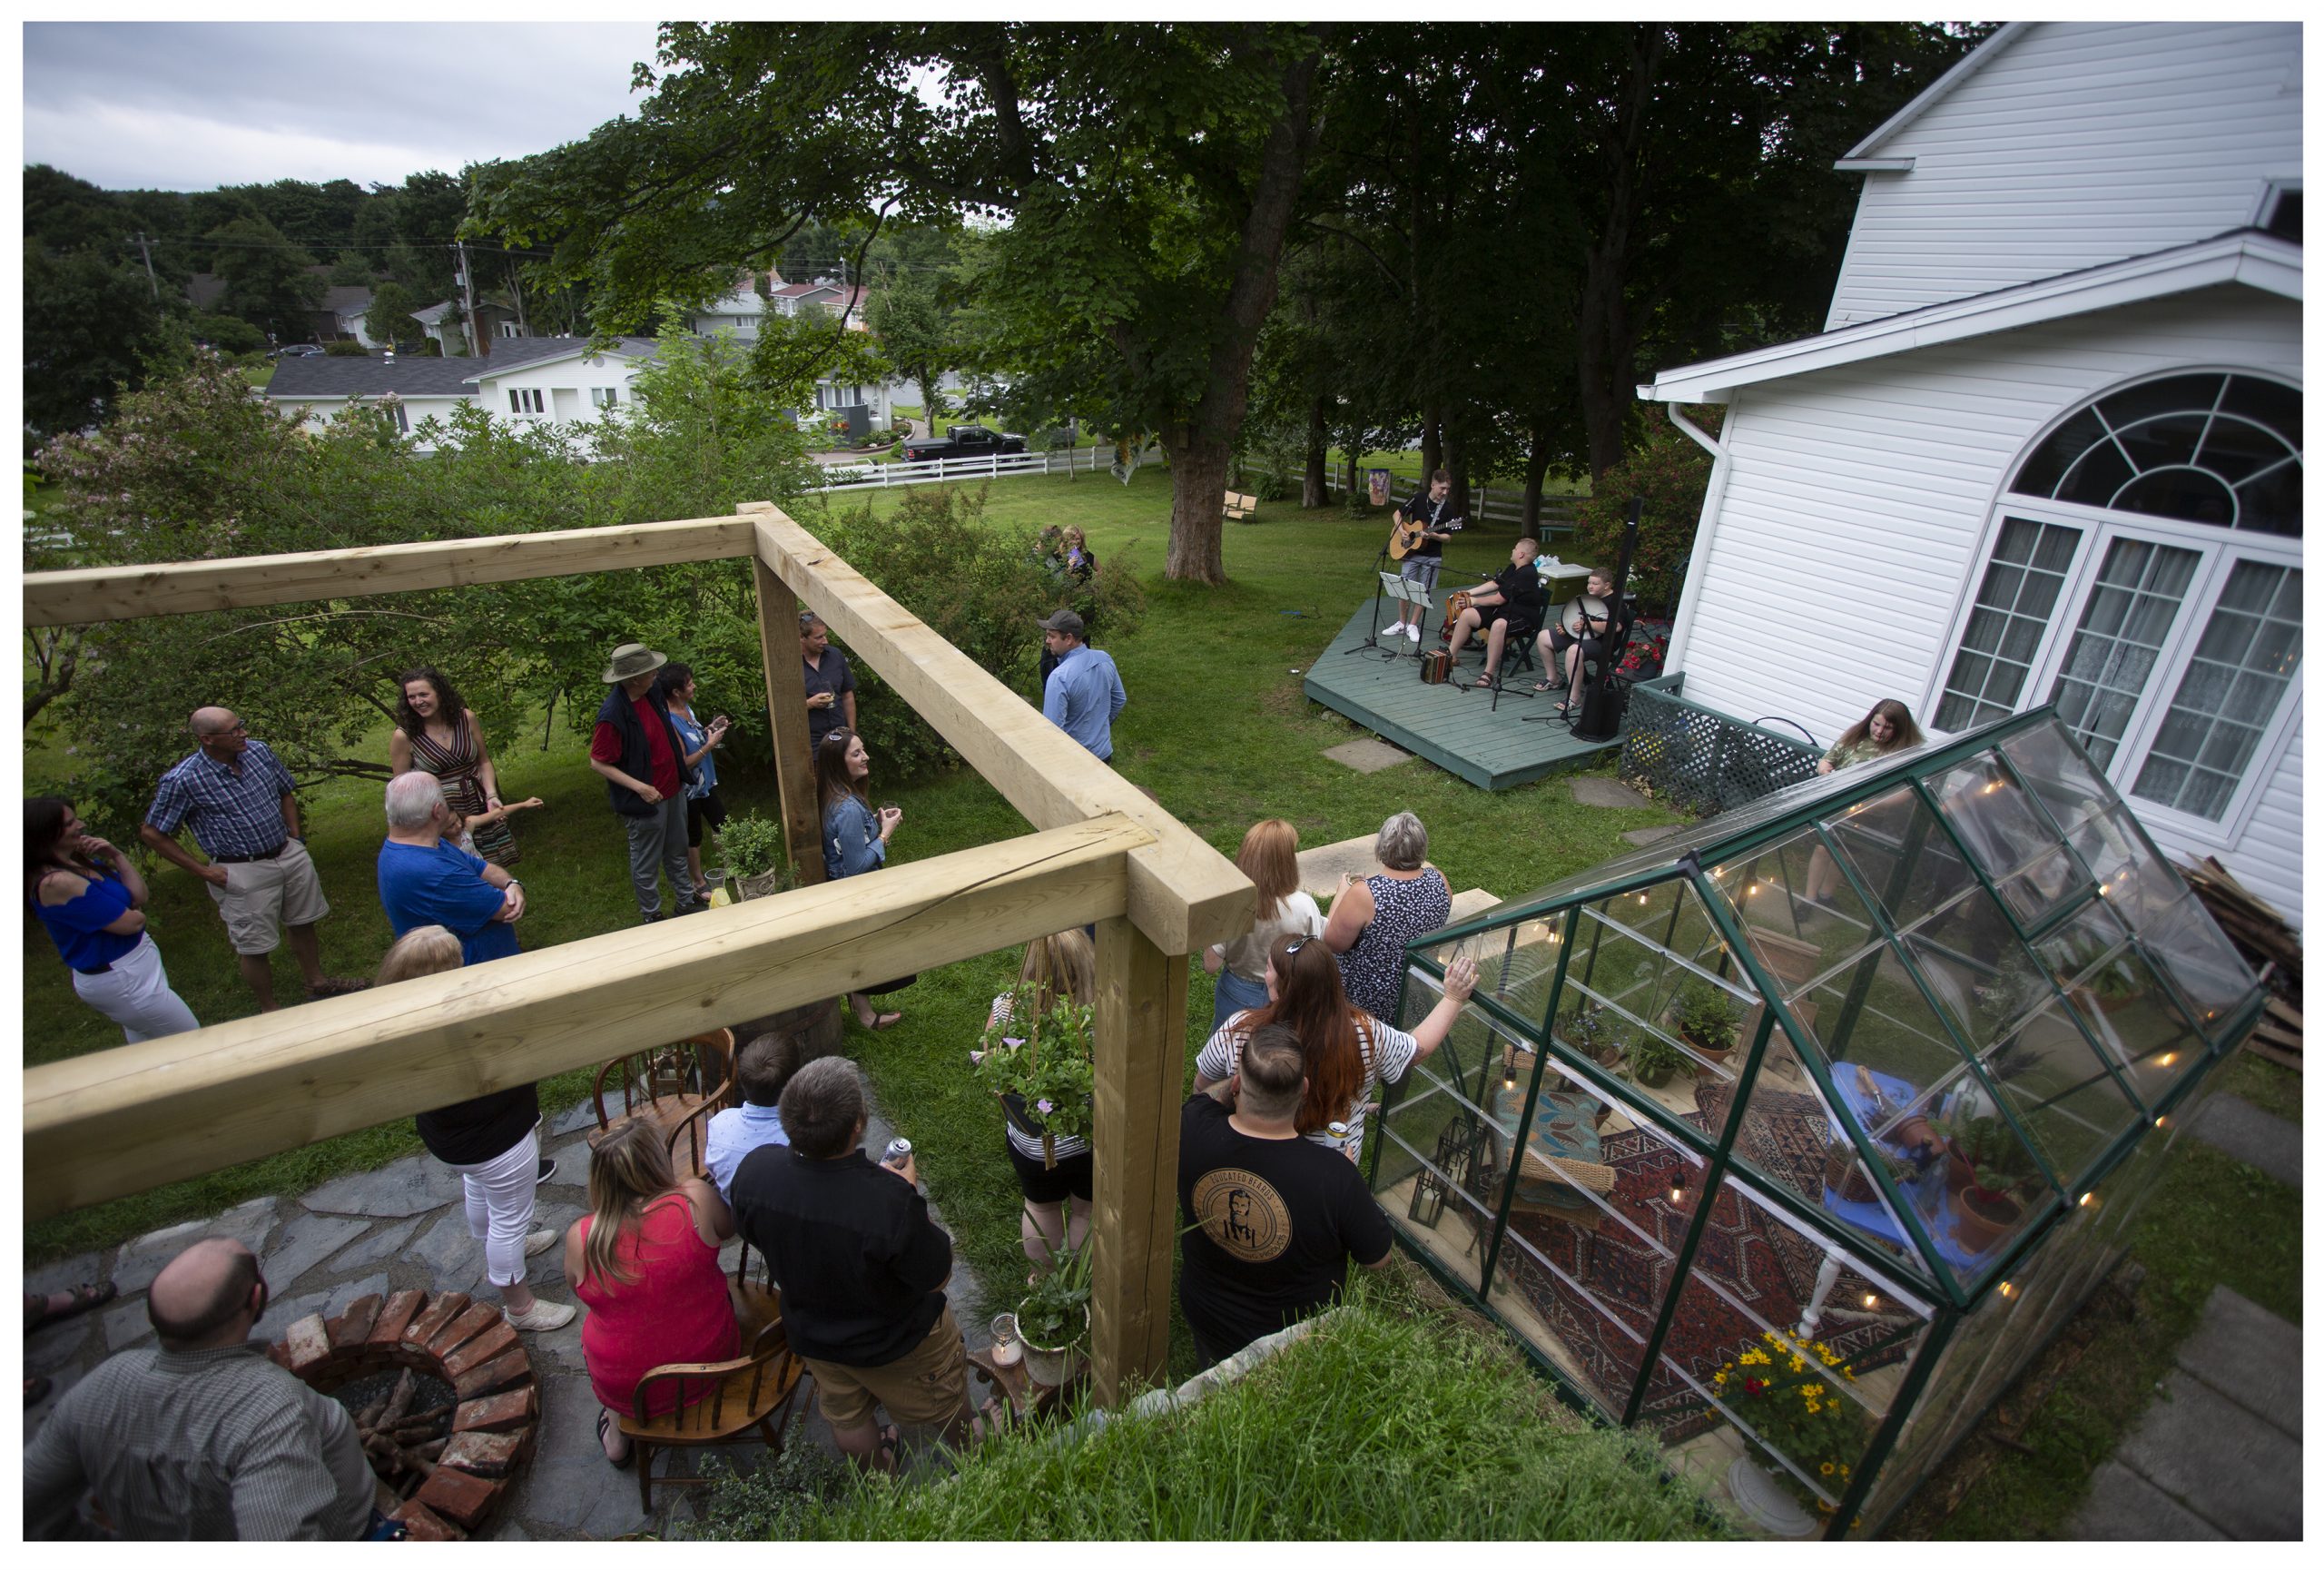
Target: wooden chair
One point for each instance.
(1240, 507)
(667, 1085)
(732, 1402)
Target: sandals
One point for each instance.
(1543, 686)
(883, 1460)
(880, 1021)
(88, 1295)
(605, 1421)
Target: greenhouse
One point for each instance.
(1795, 1136)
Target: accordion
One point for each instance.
(1435, 667)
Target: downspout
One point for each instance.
(1699, 561)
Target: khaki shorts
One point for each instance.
(928, 1383)
(261, 898)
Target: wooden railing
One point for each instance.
(118, 1122)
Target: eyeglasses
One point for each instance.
(236, 729)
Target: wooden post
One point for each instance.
(786, 710)
(1141, 1021)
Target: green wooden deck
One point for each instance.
(1458, 731)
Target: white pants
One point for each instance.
(135, 994)
(500, 1206)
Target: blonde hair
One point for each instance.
(1270, 859)
(421, 952)
(1063, 964)
(629, 1169)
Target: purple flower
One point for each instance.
(976, 1057)
(1012, 1040)
(1045, 1105)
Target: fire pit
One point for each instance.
(442, 1395)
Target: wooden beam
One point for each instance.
(1141, 1021)
(786, 711)
(1184, 895)
(120, 1122)
(120, 593)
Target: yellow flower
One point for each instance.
(1813, 1409)
(1825, 1468)
(1850, 1372)
(1844, 1471)
(1719, 1377)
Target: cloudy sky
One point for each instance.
(189, 105)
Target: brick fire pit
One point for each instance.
(467, 1346)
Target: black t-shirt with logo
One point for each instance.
(1428, 514)
(1273, 1225)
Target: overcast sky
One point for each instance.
(190, 105)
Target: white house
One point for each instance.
(2048, 448)
(741, 311)
(526, 379)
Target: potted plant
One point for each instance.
(757, 858)
(1988, 1206)
(1652, 1061)
(1708, 1018)
(1053, 1316)
(1043, 1076)
(1594, 1035)
(1787, 1389)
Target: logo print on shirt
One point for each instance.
(1241, 1212)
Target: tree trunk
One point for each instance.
(1456, 461)
(1315, 485)
(1431, 446)
(1537, 468)
(1198, 467)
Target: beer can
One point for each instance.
(898, 1149)
(1336, 1135)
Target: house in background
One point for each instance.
(441, 324)
(340, 314)
(527, 379)
(741, 311)
(2048, 448)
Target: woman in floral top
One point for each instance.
(1888, 728)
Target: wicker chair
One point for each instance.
(667, 1085)
(734, 1402)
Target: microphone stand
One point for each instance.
(1379, 585)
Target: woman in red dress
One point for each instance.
(646, 1261)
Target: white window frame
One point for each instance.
(2219, 549)
(526, 401)
(604, 397)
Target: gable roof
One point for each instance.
(510, 354)
(345, 299)
(1864, 152)
(2245, 256)
(332, 376)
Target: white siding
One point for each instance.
(2079, 144)
(1856, 499)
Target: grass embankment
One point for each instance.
(1394, 1420)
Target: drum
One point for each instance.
(1436, 666)
(1580, 606)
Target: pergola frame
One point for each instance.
(119, 1121)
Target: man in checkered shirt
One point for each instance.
(242, 806)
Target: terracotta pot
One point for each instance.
(1917, 1133)
(1714, 1054)
(1958, 1173)
(1983, 1218)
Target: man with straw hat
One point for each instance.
(636, 748)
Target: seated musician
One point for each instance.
(1557, 642)
(1510, 607)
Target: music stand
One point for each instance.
(1412, 593)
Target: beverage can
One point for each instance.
(898, 1149)
(1336, 1135)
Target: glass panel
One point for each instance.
(2139, 883)
(2231, 689)
(2268, 403)
(2137, 1025)
(2056, 775)
(1799, 915)
(2090, 934)
(1435, 1170)
(2199, 957)
(1897, 851)
(2040, 473)
(2269, 501)
(1785, 1348)
(2096, 476)
(2180, 493)
(2235, 449)
(1990, 814)
(2124, 620)
(2163, 396)
(1601, 1205)
(1649, 977)
(2166, 440)
(1515, 966)
(1981, 976)
(2021, 586)
(2063, 1095)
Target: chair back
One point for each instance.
(668, 1082)
(715, 1399)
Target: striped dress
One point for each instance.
(456, 766)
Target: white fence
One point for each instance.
(1487, 504)
(868, 476)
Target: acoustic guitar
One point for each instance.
(1402, 538)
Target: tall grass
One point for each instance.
(1383, 1424)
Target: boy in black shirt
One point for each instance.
(1425, 511)
(1272, 1218)
(1512, 603)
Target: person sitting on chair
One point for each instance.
(1593, 643)
(1511, 606)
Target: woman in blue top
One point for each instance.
(855, 837)
(704, 811)
(91, 900)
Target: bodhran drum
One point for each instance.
(1581, 606)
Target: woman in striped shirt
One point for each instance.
(1061, 965)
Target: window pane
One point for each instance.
(2269, 503)
(2040, 473)
(2164, 442)
(2096, 477)
(2187, 493)
(2268, 403)
(2243, 665)
(2164, 396)
(2021, 584)
(1981, 802)
(2122, 627)
(2055, 774)
(2235, 449)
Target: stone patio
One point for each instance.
(404, 1226)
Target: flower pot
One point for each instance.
(1713, 1054)
(1915, 1134)
(1051, 1366)
(761, 885)
(1982, 1219)
(1767, 1502)
(1958, 1173)
(1655, 1079)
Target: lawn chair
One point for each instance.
(732, 1403)
(667, 1085)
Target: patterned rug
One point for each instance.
(1758, 1258)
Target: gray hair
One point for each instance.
(413, 800)
(1402, 844)
(821, 1107)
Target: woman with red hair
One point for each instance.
(1349, 1053)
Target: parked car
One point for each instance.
(295, 352)
(962, 442)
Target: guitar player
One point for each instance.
(1421, 561)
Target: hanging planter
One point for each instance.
(1044, 1077)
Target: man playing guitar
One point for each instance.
(1418, 543)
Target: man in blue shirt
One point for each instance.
(763, 1066)
(426, 882)
(1084, 695)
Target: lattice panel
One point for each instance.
(1702, 762)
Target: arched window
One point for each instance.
(2145, 577)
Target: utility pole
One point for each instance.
(467, 297)
(146, 252)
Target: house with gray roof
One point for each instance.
(533, 380)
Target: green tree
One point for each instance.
(389, 320)
(91, 328)
(268, 280)
(1670, 473)
(914, 327)
(1147, 174)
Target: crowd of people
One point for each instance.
(202, 1436)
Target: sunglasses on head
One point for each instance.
(1295, 945)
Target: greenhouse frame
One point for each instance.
(1834, 1108)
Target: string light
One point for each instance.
(1678, 1190)
(2163, 1120)
(2168, 1058)
(2087, 1200)
(1992, 787)
(2007, 1289)
(1871, 1300)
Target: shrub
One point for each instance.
(345, 349)
(771, 1502)
(751, 846)
(230, 334)
(1671, 472)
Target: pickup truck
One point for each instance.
(962, 442)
